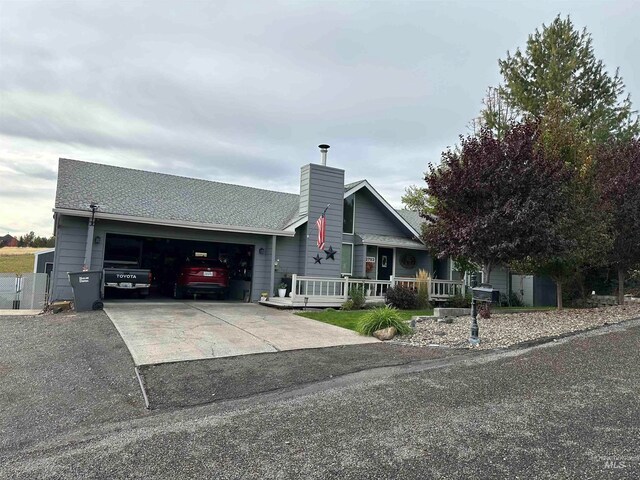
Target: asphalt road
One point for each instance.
(569, 409)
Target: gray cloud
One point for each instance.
(243, 91)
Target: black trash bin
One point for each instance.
(86, 290)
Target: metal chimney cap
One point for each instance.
(323, 146)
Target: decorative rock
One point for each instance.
(445, 320)
(504, 330)
(385, 333)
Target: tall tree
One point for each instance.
(584, 223)
(619, 174)
(559, 63)
(497, 115)
(497, 200)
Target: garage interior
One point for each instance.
(165, 256)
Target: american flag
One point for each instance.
(321, 223)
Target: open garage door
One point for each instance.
(184, 268)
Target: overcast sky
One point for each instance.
(243, 92)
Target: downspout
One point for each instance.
(86, 264)
(273, 264)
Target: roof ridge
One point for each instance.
(175, 176)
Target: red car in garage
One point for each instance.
(202, 276)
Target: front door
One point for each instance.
(385, 263)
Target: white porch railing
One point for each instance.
(438, 289)
(318, 289)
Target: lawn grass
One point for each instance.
(16, 263)
(350, 318)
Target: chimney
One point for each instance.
(324, 148)
(321, 190)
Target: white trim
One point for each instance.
(393, 267)
(352, 255)
(365, 183)
(353, 218)
(296, 224)
(175, 223)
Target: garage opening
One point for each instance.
(182, 268)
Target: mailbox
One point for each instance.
(486, 293)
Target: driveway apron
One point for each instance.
(162, 332)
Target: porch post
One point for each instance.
(294, 281)
(273, 265)
(346, 288)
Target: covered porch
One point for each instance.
(322, 292)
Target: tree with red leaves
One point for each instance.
(498, 200)
(618, 166)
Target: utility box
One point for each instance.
(485, 293)
(86, 290)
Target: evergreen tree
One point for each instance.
(559, 63)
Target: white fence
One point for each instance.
(28, 291)
(318, 290)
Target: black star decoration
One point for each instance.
(331, 253)
(317, 258)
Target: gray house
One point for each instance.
(265, 237)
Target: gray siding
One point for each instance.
(326, 186)
(302, 248)
(500, 279)
(288, 256)
(71, 236)
(71, 245)
(442, 269)
(374, 218)
(423, 261)
(359, 260)
(305, 173)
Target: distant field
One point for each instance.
(9, 251)
(16, 263)
(17, 259)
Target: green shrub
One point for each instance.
(356, 295)
(382, 317)
(402, 297)
(513, 300)
(348, 305)
(459, 301)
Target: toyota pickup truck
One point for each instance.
(121, 276)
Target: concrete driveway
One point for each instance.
(171, 331)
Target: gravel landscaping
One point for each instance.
(505, 330)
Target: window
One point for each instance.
(348, 215)
(347, 259)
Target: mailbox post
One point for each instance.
(486, 294)
(474, 340)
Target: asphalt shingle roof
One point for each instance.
(139, 193)
(349, 186)
(389, 241)
(412, 218)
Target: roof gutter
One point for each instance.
(174, 223)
